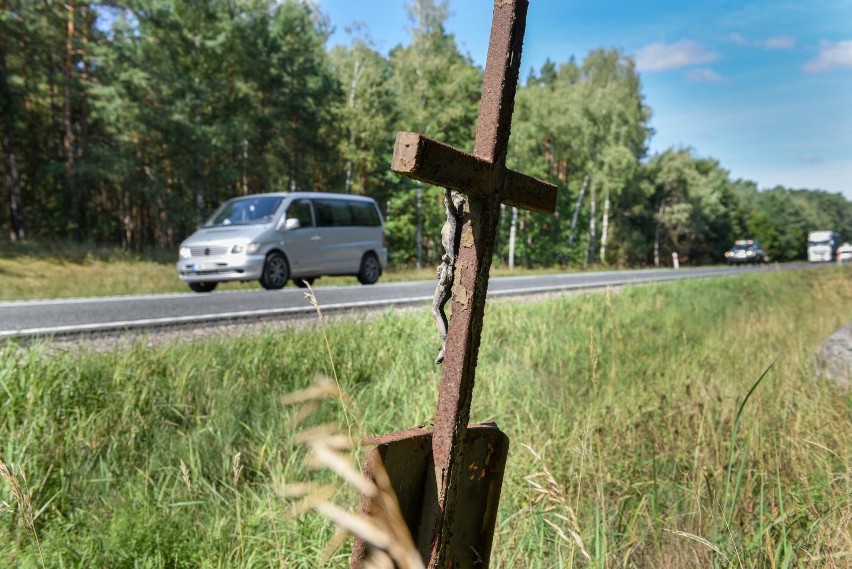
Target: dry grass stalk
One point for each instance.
(237, 468)
(593, 358)
(388, 516)
(315, 303)
(556, 504)
(702, 541)
(184, 471)
(23, 496)
(321, 389)
(385, 529)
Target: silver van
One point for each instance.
(290, 235)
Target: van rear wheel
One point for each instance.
(370, 269)
(203, 286)
(275, 272)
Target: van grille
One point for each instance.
(207, 251)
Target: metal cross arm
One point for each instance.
(422, 158)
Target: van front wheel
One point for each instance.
(275, 272)
(370, 269)
(202, 286)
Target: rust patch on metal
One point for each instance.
(460, 294)
(467, 239)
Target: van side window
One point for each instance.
(364, 213)
(301, 210)
(333, 213)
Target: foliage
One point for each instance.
(784, 217)
(437, 89)
(368, 113)
(125, 123)
(577, 125)
(176, 106)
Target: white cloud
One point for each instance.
(737, 39)
(704, 75)
(809, 160)
(662, 57)
(779, 42)
(832, 55)
(775, 42)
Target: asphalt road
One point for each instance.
(27, 319)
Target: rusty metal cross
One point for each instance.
(463, 455)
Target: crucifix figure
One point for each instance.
(454, 204)
(448, 480)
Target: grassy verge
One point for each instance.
(32, 271)
(651, 444)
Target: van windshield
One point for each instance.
(245, 211)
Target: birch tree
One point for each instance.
(437, 89)
(368, 113)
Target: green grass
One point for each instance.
(663, 415)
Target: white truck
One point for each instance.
(844, 253)
(822, 246)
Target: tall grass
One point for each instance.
(654, 444)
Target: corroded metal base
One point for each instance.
(407, 458)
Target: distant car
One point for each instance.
(745, 251)
(844, 253)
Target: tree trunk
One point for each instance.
(577, 210)
(261, 140)
(419, 234)
(513, 228)
(83, 178)
(350, 103)
(657, 244)
(604, 225)
(127, 220)
(245, 181)
(68, 141)
(348, 184)
(294, 162)
(13, 181)
(34, 170)
(592, 227)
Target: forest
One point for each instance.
(126, 122)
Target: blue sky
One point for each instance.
(763, 86)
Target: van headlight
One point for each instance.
(185, 253)
(247, 248)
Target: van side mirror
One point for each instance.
(289, 224)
